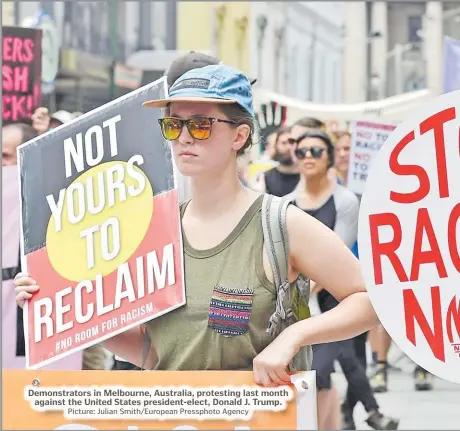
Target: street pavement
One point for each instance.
(438, 409)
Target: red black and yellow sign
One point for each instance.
(101, 228)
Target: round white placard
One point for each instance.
(409, 236)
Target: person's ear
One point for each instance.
(241, 136)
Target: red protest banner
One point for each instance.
(21, 73)
(100, 227)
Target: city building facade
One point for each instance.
(96, 38)
(219, 28)
(297, 49)
(391, 48)
(292, 48)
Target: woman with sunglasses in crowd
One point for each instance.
(209, 119)
(320, 196)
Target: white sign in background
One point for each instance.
(409, 239)
(50, 47)
(366, 140)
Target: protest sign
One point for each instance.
(408, 237)
(100, 227)
(21, 73)
(193, 400)
(366, 140)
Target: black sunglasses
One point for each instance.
(198, 127)
(316, 152)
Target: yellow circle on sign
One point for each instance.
(69, 252)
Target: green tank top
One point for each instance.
(229, 304)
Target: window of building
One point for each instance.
(278, 45)
(68, 12)
(80, 26)
(414, 27)
(294, 65)
(145, 30)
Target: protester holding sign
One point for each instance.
(209, 119)
(98, 217)
(184, 63)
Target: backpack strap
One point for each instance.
(276, 244)
(276, 241)
(274, 227)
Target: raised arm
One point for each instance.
(320, 254)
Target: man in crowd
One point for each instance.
(283, 178)
(14, 135)
(342, 155)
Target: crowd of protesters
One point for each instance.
(310, 166)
